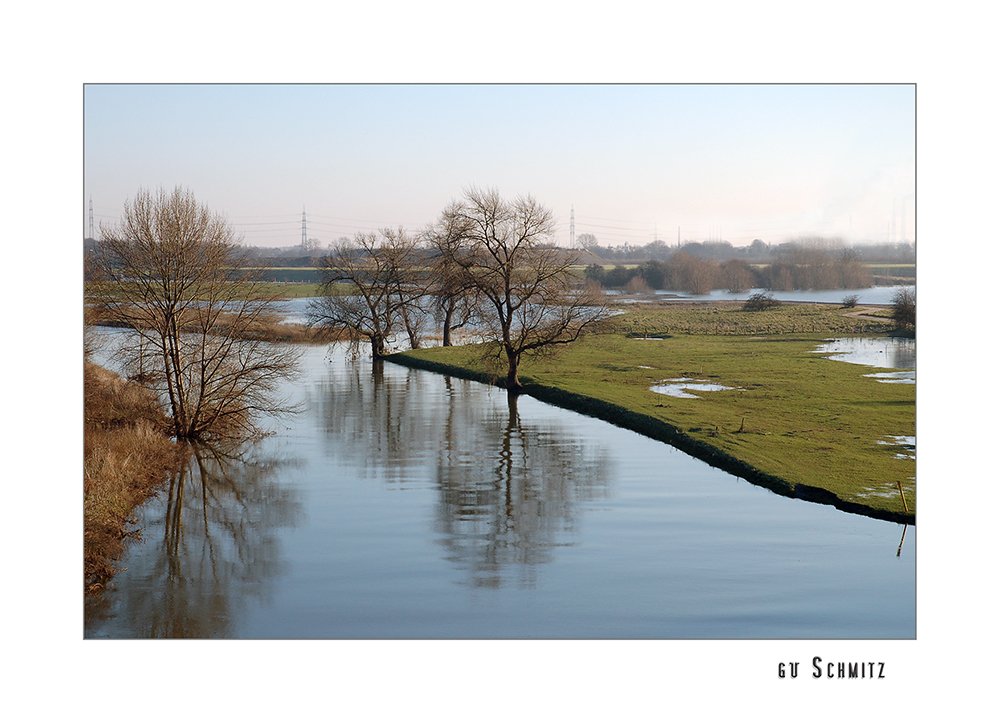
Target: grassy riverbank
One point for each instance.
(126, 457)
(296, 290)
(803, 425)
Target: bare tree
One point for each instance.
(692, 274)
(736, 276)
(455, 295)
(904, 308)
(385, 291)
(854, 274)
(533, 301)
(171, 273)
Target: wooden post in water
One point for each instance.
(900, 486)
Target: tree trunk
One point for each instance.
(513, 360)
(449, 309)
(411, 332)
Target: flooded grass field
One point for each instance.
(406, 504)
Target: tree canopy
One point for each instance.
(532, 300)
(170, 273)
(384, 289)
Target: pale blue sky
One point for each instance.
(733, 162)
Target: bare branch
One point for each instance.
(172, 274)
(536, 299)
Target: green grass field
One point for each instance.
(728, 318)
(789, 413)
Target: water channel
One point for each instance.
(878, 295)
(403, 504)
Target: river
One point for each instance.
(404, 504)
(296, 309)
(876, 295)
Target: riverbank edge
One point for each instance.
(664, 432)
(123, 436)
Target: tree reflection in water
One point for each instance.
(209, 545)
(509, 490)
(512, 494)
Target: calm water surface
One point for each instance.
(869, 295)
(884, 352)
(296, 310)
(404, 504)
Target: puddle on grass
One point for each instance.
(890, 491)
(906, 377)
(884, 352)
(883, 494)
(904, 446)
(681, 388)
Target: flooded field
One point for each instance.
(884, 352)
(405, 504)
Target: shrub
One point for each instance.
(904, 308)
(654, 273)
(759, 302)
(637, 285)
(595, 273)
(617, 277)
(850, 301)
(737, 277)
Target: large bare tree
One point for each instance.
(171, 272)
(456, 302)
(385, 287)
(533, 301)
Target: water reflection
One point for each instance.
(682, 388)
(884, 352)
(882, 295)
(378, 422)
(209, 545)
(508, 490)
(440, 508)
(511, 493)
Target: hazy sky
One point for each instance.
(635, 162)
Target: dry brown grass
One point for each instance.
(268, 327)
(127, 455)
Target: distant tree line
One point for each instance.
(756, 252)
(799, 267)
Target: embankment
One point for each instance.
(665, 432)
(127, 456)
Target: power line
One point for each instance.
(615, 220)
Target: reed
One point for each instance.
(126, 456)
